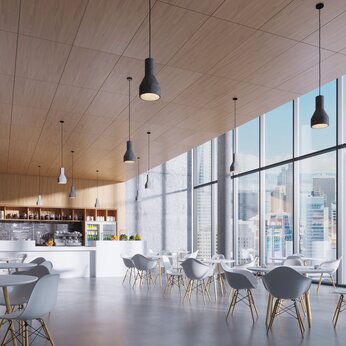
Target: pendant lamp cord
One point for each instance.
(149, 28)
(62, 142)
(319, 51)
(148, 151)
(97, 184)
(235, 112)
(39, 180)
(129, 79)
(72, 165)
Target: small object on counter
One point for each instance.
(50, 242)
(123, 236)
(114, 237)
(137, 237)
(132, 237)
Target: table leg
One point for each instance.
(8, 310)
(308, 308)
(159, 269)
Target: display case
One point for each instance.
(99, 231)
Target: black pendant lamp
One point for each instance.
(234, 165)
(319, 119)
(147, 181)
(149, 89)
(72, 193)
(97, 202)
(62, 178)
(129, 156)
(39, 201)
(137, 193)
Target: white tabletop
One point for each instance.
(14, 265)
(299, 269)
(8, 259)
(217, 261)
(16, 280)
(302, 257)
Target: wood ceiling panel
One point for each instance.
(258, 50)
(93, 125)
(215, 39)
(171, 28)
(253, 13)
(32, 118)
(6, 85)
(9, 11)
(72, 99)
(5, 114)
(332, 34)
(33, 93)
(110, 25)
(88, 68)
(142, 111)
(54, 116)
(18, 161)
(24, 138)
(41, 59)
(52, 20)
(203, 6)
(296, 60)
(300, 18)
(7, 52)
(108, 104)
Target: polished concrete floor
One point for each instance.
(104, 312)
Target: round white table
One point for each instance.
(17, 265)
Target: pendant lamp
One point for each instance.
(319, 119)
(147, 181)
(62, 178)
(137, 193)
(39, 201)
(72, 193)
(129, 156)
(149, 89)
(234, 165)
(97, 202)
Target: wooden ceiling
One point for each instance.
(69, 59)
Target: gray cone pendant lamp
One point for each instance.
(62, 178)
(234, 165)
(129, 156)
(97, 202)
(149, 89)
(137, 193)
(39, 201)
(319, 119)
(72, 193)
(147, 181)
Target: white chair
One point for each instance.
(174, 277)
(144, 266)
(191, 255)
(197, 272)
(293, 261)
(240, 280)
(130, 267)
(330, 267)
(341, 306)
(252, 263)
(284, 283)
(41, 302)
(21, 258)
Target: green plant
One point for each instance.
(123, 237)
(137, 237)
(132, 237)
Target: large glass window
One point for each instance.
(203, 163)
(317, 228)
(248, 145)
(248, 217)
(279, 134)
(278, 212)
(311, 140)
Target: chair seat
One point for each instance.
(174, 273)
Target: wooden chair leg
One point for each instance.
(250, 305)
(332, 279)
(230, 305)
(338, 310)
(273, 314)
(319, 283)
(46, 330)
(300, 322)
(253, 302)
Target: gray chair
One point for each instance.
(191, 255)
(251, 263)
(38, 260)
(144, 266)
(130, 267)
(241, 280)
(197, 272)
(293, 261)
(174, 277)
(48, 265)
(284, 283)
(41, 302)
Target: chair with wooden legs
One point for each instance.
(144, 266)
(331, 267)
(286, 284)
(130, 268)
(197, 273)
(293, 262)
(173, 277)
(41, 302)
(241, 280)
(340, 307)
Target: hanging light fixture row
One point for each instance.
(147, 181)
(72, 193)
(97, 202)
(149, 89)
(39, 201)
(319, 119)
(137, 193)
(129, 156)
(62, 178)
(234, 165)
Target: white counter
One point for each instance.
(101, 259)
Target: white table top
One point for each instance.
(16, 280)
(299, 269)
(217, 261)
(14, 265)
(303, 258)
(8, 259)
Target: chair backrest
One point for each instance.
(295, 261)
(42, 299)
(47, 264)
(240, 279)
(195, 269)
(218, 256)
(286, 283)
(21, 258)
(166, 263)
(295, 255)
(150, 252)
(143, 263)
(38, 271)
(165, 252)
(128, 262)
(38, 260)
(191, 255)
(331, 265)
(252, 263)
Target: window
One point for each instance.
(279, 134)
(203, 163)
(278, 212)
